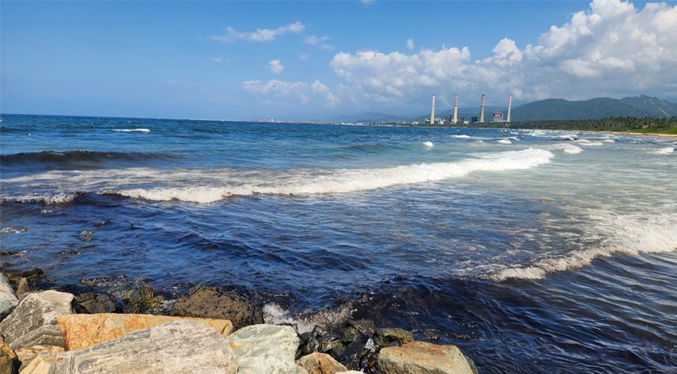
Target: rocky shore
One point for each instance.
(207, 330)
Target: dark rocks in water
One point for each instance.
(142, 299)
(93, 303)
(25, 287)
(387, 336)
(33, 275)
(219, 303)
(355, 344)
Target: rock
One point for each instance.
(32, 275)
(25, 287)
(84, 330)
(93, 303)
(320, 363)
(8, 301)
(423, 358)
(387, 336)
(33, 322)
(219, 303)
(266, 349)
(172, 348)
(9, 361)
(142, 300)
(28, 354)
(39, 365)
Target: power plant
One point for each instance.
(497, 116)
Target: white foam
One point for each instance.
(302, 182)
(276, 315)
(460, 136)
(505, 141)
(131, 130)
(565, 147)
(428, 144)
(664, 151)
(628, 235)
(587, 142)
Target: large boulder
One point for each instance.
(266, 349)
(84, 330)
(179, 347)
(423, 358)
(8, 300)
(33, 322)
(321, 363)
(39, 365)
(219, 303)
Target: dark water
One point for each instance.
(532, 251)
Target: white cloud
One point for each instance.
(285, 93)
(275, 66)
(260, 35)
(219, 60)
(410, 44)
(611, 49)
(314, 39)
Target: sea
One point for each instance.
(533, 251)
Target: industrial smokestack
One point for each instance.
(482, 110)
(432, 112)
(509, 106)
(455, 121)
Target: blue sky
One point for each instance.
(310, 60)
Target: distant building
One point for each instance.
(473, 119)
(497, 117)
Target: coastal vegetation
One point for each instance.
(648, 125)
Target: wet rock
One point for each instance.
(266, 349)
(175, 347)
(84, 330)
(93, 303)
(9, 362)
(219, 303)
(320, 363)
(15, 276)
(28, 354)
(386, 336)
(25, 287)
(33, 322)
(142, 300)
(8, 301)
(423, 358)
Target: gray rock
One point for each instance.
(268, 349)
(181, 347)
(33, 322)
(219, 303)
(423, 358)
(8, 301)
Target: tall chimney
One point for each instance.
(455, 121)
(509, 106)
(432, 112)
(482, 110)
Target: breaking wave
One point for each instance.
(131, 130)
(626, 235)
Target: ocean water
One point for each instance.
(533, 251)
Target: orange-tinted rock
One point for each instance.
(423, 358)
(321, 363)
(84, 330)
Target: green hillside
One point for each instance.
(559, 109)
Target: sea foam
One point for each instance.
(131, 130)
(627, 235)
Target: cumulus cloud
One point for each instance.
(260, 35)
(319, 41)
(275, 66)
(410, 44)
(610, 49)
(291, 93)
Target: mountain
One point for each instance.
(560, 109)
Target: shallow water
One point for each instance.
(533, 251)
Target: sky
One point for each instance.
(316, 60)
